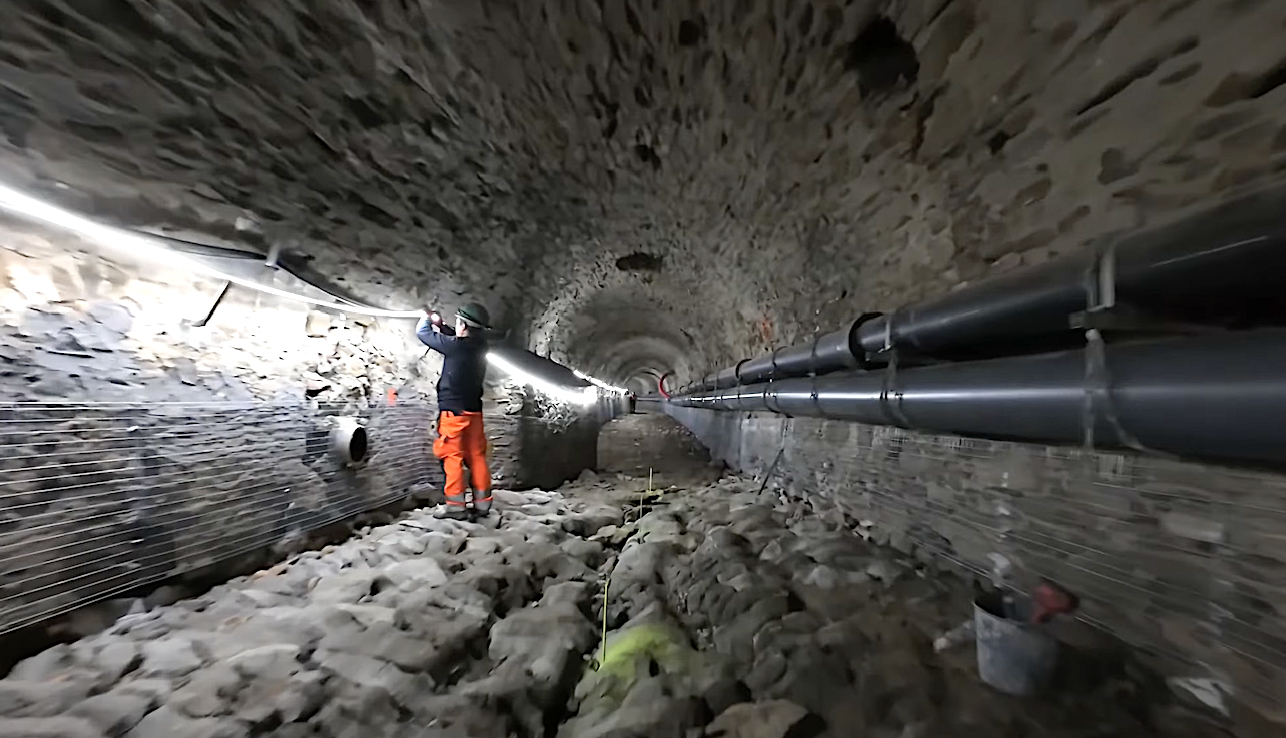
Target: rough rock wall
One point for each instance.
(640, 185)
(139, 445)
(564, 449)
(79, 325)
(538, 447)
(1180, 559)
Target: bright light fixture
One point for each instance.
(143, 247)
(600, 383)
(140, 246)
(575, 396)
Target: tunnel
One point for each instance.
(852, 368)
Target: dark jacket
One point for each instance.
(464, 367)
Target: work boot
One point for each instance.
(453, 512)
(482, 508)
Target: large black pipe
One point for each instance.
(1226, 252)
(1235, 248)
(1219, 396)
(825, 353)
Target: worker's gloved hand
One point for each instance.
(431, 317)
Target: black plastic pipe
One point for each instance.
(1223, 253)
(1231, 249)
(1219, 396)
(826, 353)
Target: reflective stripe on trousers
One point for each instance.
(462, 442)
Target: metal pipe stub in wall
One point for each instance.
(1219, 396)
(349, 443)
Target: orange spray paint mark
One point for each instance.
(392, 396)
(765, 330)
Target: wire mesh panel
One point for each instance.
(1181, 559)
(96, 499)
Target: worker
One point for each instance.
(461, 439)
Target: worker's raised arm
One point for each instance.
(438, 340)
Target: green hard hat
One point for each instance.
(475, 315)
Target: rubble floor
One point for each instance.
(728, 612)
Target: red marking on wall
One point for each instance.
(765, 330)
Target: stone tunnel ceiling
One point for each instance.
(645, 186)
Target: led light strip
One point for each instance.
(599, 383)
(136, 245)
(142, 246)
(582, 396)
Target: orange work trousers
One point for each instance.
(461, 441)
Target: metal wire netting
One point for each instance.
(97, 499)
(1181, 560)
(1176, 558)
